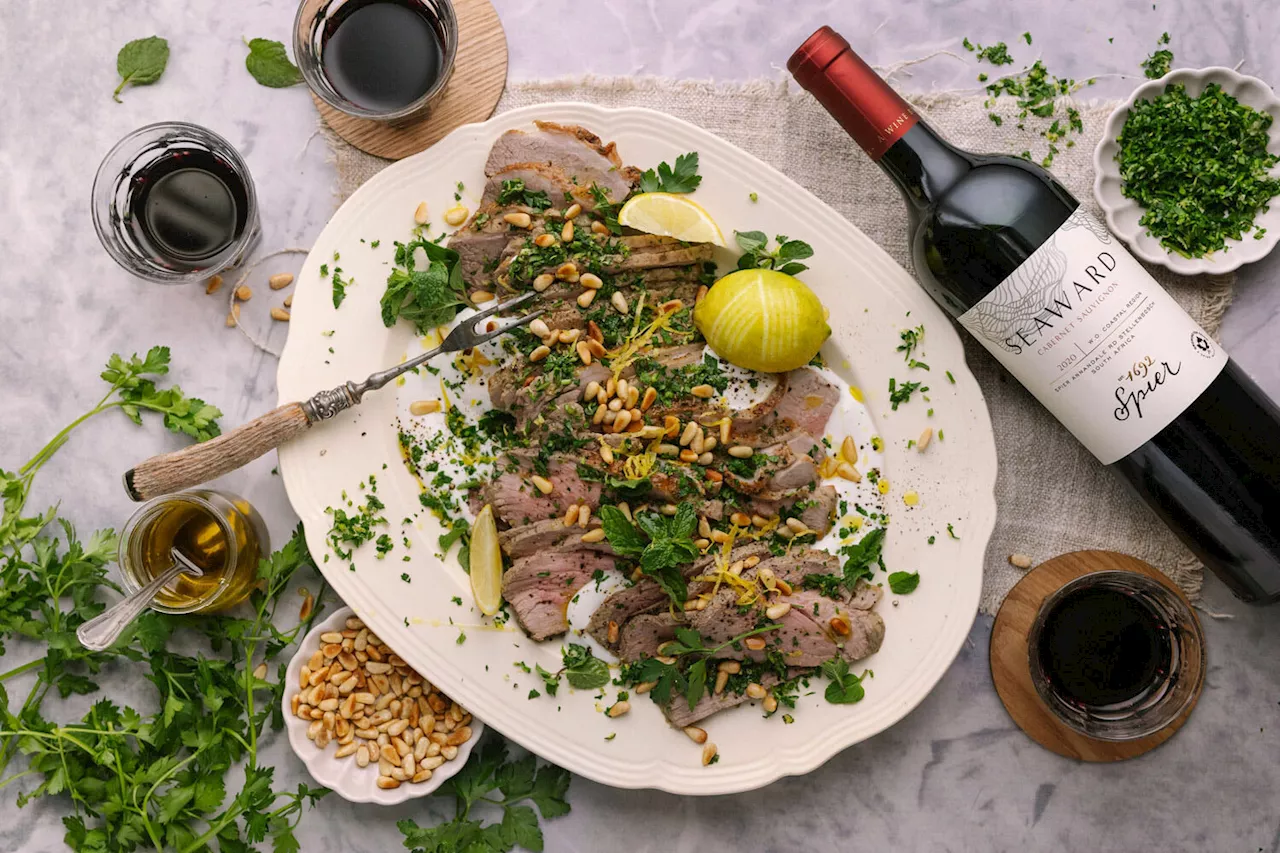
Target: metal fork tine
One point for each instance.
(465, 336)
(520, 321)
(503, 306)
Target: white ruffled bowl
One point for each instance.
(1123, 213)
(341, 775)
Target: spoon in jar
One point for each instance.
(104, 629)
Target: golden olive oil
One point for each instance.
(220, 533)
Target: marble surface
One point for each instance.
(955, 774)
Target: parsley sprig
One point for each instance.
(684, 178)
(515, 192)
(687, 675)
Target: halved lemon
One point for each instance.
(486, 563)
(670, 215)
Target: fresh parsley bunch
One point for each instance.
(661, 544)
(491, 779)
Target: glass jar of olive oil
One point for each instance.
(219, 532)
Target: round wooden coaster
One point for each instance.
(479, 76)
(1012, 674)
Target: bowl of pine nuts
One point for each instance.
(365, 724)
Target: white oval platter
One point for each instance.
(871, 299)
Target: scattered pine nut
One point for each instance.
(1021, 561)
(540, 353)
(619, 708)
(244, 293)
(849, 450)
(584, 351)
(848, 472)
(742, 451)
(599, 228)
(542, 484)
(456, 215)
(280, 314)
(619, 302)
(519, 220)
(567, 272)
(424, 407)
(539, 327)
(695, 734)
(566, 233)
(280, 280)
(288, 301)
(573, 211)
(213, 284)
(481, 296)
(542, 282)
(542, 241)
(586, 297)
(703, 391)
(591, 280)
(925, 437)
(708, 754)
(233, 317)
(420, 213)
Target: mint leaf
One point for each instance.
(622, 534)
(845, 687)
(140, 63)
(902, 583)
(862, 556)
(582, 669)
(269, 64)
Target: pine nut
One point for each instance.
(755, 691)
(244, 293)
(708, 754)
(543, 281)
(540, 353)
(213, 284)
(619, 708)
(280, 280)
(304, 677)
(584, 515)
(519, 220)
(570, 515)
(573, 211)
(481, 296)
(622, 421)
(722, 679)
(695, 734)
(456, 215)
(777, 611)
(703, 391)
(590, 281)
(726, 426)
(644, 687)
(599, 228)
(568, 336)
(798, 526)
(377, 668)
(542, 484)
(706, 458)
(672, 425)
(542, 241)
(741, 519)
(719, 537)
(709, 443)
(420, 213)
(688, 456)
(732, 667)
(613, 632)
(566, 233)
(840, 626)
(386, 783)
(592, 390)
(619, 302)
(362, 756)
(424, 407)
(770, 704)
(449, 752)
(1022, 561)
(365, 698)
(344, 751)
(317, 660)
(314, 729)
(701, 294)
(848, 472)
(585, 298)
(849, 450)
(431, 762)
(668, 449)
(599, 416)
(606, 453)
(925, 437)
(596, 535)
(233, 317)
(567, 272)
(687, 436)
(671, 306)
(625, 509)
(784, 587)
(755, 644)
(584, 351)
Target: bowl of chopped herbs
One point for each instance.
(1187, 169)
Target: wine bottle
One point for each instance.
(1006, 250)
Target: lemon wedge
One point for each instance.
(762, 320)
(670, 215)
(486, 563)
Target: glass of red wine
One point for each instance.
(385, 60)
(174, 203)
(1116, 655)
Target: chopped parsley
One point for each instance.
(514, 192)
(899, 394)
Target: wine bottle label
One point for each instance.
(1096, 339)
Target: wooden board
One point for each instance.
(1011, 671)
(479, 76)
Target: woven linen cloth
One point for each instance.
(1052, 495)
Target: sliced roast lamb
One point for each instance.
(539, 587)
(517, 501)
(550, 534)
(679, 714)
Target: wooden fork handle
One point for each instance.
(199, 463)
